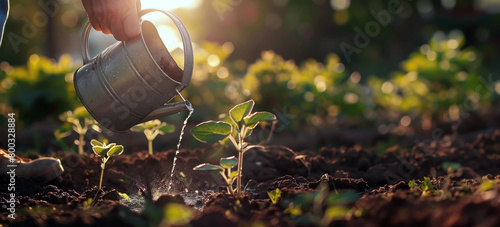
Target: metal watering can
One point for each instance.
(129, 82)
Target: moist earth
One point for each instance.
(371, 189)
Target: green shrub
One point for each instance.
(40, 89)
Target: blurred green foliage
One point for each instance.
(42, 88)
(442, 79)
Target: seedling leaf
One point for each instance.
(125, 196)
(115, 150)
(342, 198)
(100, 151)
(274, 195)
(96, 143)
(177, 215)
(208, 167)
(228, 162)
(229, 120)
(168, 128)
(211, 131)
(335, 212)
(233, 175)
(80, 112)
(241, 110)
(252, 120)
(138, 128)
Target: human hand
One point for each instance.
(117, 17)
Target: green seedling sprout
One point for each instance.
(226, 164)
(275, 195)
(105, 152)
(151, 129)
(235, 127)
(80, 121)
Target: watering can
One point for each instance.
(130, 81)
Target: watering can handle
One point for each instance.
(186, 41)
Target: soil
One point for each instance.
(371, 189)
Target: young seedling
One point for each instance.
(236, 127)
(151, 129)
(104, 152)
(81, 122)
(275, 195)
(226, 164)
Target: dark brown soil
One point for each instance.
(379, 183)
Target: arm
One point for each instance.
(117, 17)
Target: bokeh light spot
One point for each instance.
(497, 87)
(228, 47)
(351, 98)
(213, 60)
(355, 77)
(387, 87)
(341, 17)
(340, 4)
(405, 121)
(69, 18)
(222, 72)
(309, 96)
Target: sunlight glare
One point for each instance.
(169, 4)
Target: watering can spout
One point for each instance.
(168, 109)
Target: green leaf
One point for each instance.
(115, 150)
(124, 196)
(64, 131)
(81, 112)
(138, 128)
(177, 215)
(412, 184)
(151, 124)
(241, 110)
(451, 166)
(228, 120)
(487, 185)
(100, 151)
(233, 174)
(228, 162)
(274, 195)
(211, 131)
(342, 198)
(335, 212)
(208, 167)
(252, 120)
(168, 128)
(96, 143)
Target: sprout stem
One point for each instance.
(240, 168)
(80, 145)
(100, 182)
(150, 146)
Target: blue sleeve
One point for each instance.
(4, 13)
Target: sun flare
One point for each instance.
(168, 4)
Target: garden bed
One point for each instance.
(348, 186)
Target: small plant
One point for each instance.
(238, 126)
(275, 195)
(104, 152)
(80, 121)
(151, 129)
(412, 184)
(226, 164)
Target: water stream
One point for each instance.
(171, 179)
